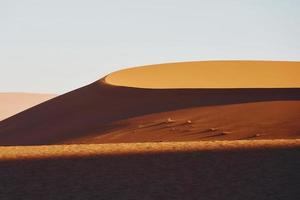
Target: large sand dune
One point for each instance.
(252, 107)
(101, 107)
(13, 103)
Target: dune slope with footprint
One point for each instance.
(261, 120)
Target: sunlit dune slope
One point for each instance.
(211, 74)
(186, 170)
(13, 103)
(99, 107)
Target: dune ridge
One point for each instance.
(210, 74)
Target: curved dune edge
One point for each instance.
(82, 150)
(210, 74)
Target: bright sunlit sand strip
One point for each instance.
(211, 74)
(47, 151)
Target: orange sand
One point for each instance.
(211, 74)
(195, 170)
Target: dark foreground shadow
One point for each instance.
(235, 174)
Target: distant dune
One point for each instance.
(13, 103)
(222, 100)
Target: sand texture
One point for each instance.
(195, 170)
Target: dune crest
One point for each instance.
(210, 74)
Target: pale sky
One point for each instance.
(54, 46)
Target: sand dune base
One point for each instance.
(198, 170)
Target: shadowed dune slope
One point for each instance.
(259, 120)
(13, 103)
(96, 108)
(193, 170)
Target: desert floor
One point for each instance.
(260, 169)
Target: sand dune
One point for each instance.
(193, 170)
(13, 103)
(98, 107)
(252, 108)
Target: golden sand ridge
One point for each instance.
(88, 150)
(211, 74)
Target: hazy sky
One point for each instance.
(59, 45)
